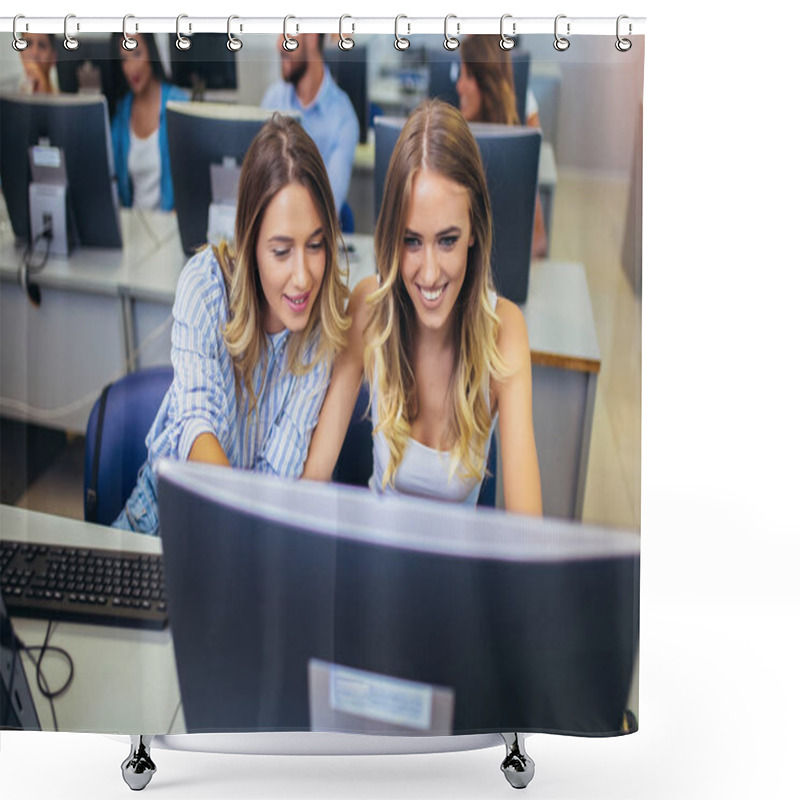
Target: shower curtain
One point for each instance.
(305, 607)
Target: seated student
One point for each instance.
(39, 64)
(445, 357)
(139, 127)
(326, 110)
(256, 329)
(486, 94)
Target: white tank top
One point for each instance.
(144, 168)
(424, 472)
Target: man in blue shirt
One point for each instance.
(326, 111)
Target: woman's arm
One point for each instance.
(522, 490)
(348, 372)
(207, 448)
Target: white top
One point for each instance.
(424, 471)
(144, 167)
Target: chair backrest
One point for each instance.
(115, 434)
(354, 466)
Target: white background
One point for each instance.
(719, 701)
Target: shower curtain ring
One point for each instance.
(561, 43)
(233, 44)
(506, 42)
(623, 45)
(70, 43)
(400, 42)
(290, 44)
(450, 42)
(346, 42)
(181, 42)
(18, 43)
(127, 42)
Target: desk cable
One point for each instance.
(28, 268)
(41, 680)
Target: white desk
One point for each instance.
(55, 359)
(95, 323)
(115, 669)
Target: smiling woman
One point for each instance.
(255, 330)
(446, 358)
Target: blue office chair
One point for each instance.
(347, 219)
(354, 466)
(115, 449)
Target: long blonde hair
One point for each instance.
(436, 137)
(490, 65)
(281, 153)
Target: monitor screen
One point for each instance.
(78, 125)
(199, 135)
(349, 70)
(468, 620)
(207, 65)
(507, 152)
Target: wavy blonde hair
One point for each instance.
(281, 153)
(490, 66)
(437, 138)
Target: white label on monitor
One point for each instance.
(46, 156)
(378, 697)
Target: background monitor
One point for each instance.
(199, 135)
(78, 124)
(349, 70)
(206, 66)
(508, 152)
(528, 624)
(444, 67)
(90, 69)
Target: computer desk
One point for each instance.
(115, 669)
(106, 312)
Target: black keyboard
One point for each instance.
(107, 587)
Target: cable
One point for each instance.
(26, 268)
(41, 679)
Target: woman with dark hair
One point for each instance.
(139, 128)
(256, 326)
(447, 360)
(486, 94)
(39, 64)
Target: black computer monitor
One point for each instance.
(510, 155)
(77, 124)
(525, 624)
(207, 65)
(349, 70)
(444, 67)
(92, 61)
(199, 135)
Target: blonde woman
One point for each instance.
(446, 359)
(256, 329)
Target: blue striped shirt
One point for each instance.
(202, 397)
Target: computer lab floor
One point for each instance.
(589, 225)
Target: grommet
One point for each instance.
(561, 43)
(450, 42)
(181, 42)
(400, 42)
(233, 44)
(290, 44)
(128, 43)
(70, 43)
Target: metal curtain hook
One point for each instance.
(623, 45)
(450, 42)
(18, 43)
(127, 42)
(346, 42)
(70, 43)
(290, 44)
(233, 44)
(181, 42)
(400, 42)
(561, 43)
(506, 42)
